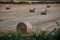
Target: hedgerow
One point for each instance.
(43, 35)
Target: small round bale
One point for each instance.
(43, 11)
(24, 27)
(48, 6)
(32, 10)
(7, 7)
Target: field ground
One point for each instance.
(10, 18)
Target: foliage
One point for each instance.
(43, 35)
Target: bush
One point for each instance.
(57, 34)
(43, 35)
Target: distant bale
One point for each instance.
(7, 7)
(1, 20)
(48, 6)
(32, 10)
(43, 11)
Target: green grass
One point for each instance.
(43, 35)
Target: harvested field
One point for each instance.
(13, 16)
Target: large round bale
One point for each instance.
(7, 7)
(24, 27)
(32, 10)
(43, 11)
